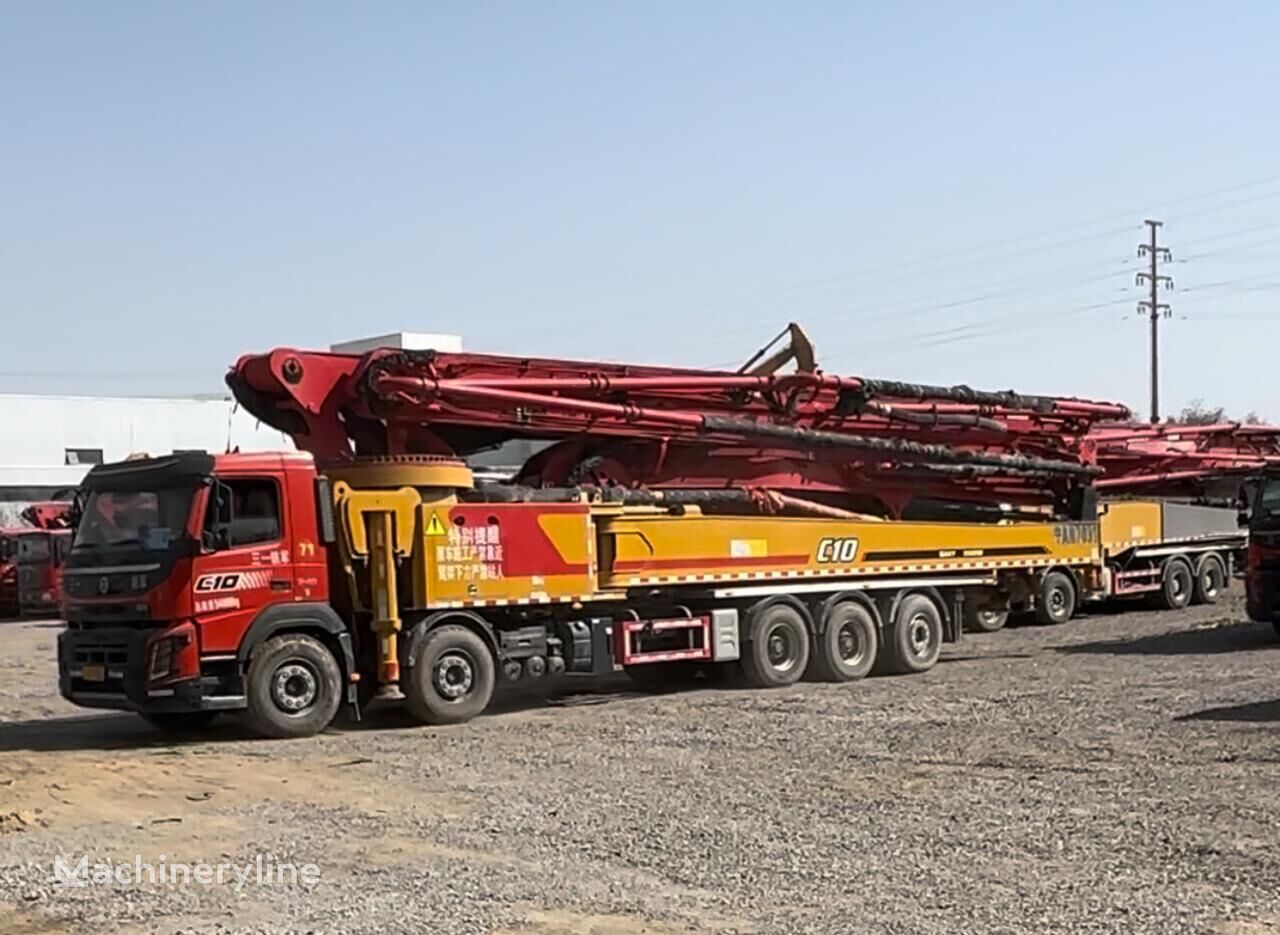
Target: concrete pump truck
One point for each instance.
(682, 525)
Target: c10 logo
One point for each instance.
(841, 551)
(224, 582)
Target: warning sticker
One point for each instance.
(435, 527)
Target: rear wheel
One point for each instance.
(1211, 580)
(453, 676)
(984, 621)
(914, 641)
(778, 654)
(1176, 585)
(179, 723)
(846, 648)
(294, 687)
(1057, 599)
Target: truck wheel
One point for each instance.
(778, 654)
(294, 687)
(1057, 601)
(914, 641)
(846, 648)
(984, 621)
(1211, 580)
(452, 678)
(1176, 585)
(179, 723)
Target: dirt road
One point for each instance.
(1119, 773)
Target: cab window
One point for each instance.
(250, 510)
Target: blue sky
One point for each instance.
(939, 192)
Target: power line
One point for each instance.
(1153, 306)
(905, 269)
(986, 328)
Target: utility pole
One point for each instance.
(1153, 306)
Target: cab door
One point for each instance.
(246, 561)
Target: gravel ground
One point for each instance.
(1115, 774)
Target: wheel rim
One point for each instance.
(782, 649)
(454, 675)
(1210, 585)
(1179, 585)
(850, 645)
(294, 687)
(988, 618)
(919, 636)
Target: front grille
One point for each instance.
(96, 585)
(105, 654)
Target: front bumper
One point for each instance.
(106, 668)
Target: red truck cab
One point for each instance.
(1261, 511)
(9, 570)
(39, 560)
(179, 567)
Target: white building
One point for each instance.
(47, 443)
(402, 341)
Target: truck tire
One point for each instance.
(1211, 580)
(1176, 585)
(452, 678)
(846, 649)
(914, 640)
(293, 687)
(984, 621)
(1056, 603)
(778, 652)
(179, 723)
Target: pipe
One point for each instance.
(733, 426)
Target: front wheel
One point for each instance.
(453, 676)
(294, 687)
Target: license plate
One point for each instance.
(94, 673)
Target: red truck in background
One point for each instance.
(31, 560)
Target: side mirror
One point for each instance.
(216, 539)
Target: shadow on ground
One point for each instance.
(1204, 641)
(1257, 712)
(124, 731)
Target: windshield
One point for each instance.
(1269, 497)
(33, 547)
(147, 519)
